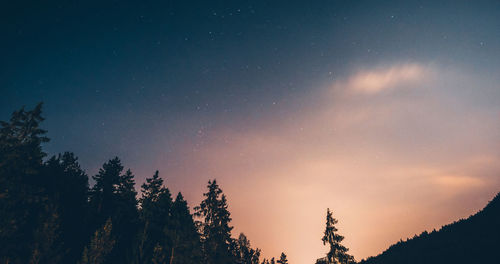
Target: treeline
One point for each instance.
(472, 240)
(50, 214)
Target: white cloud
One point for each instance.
(375, 81)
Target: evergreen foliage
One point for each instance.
(50, 214)
(113, 196)
(215, 228)
(186, 244)
(100, 246)
(156, 205)
(338, 252)
(47, 247)
(246, 254)
(23, 199)
(283, 259)
(67, 186)
(471, 240)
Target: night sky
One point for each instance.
(388, 113)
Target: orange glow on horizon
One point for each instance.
(389, 165)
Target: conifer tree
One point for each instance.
(338, 253)
(126, 223)
(283, 259)
(103, 195)
(22, 198)
(246, 254)
(100, 246)
(215, 228)
(67, 186)
(113, 196)
(186, 245)
(151, 190)
(156, 203)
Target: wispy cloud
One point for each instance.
(377, 80)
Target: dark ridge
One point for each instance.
(472, 240)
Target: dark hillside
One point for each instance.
(472, 240)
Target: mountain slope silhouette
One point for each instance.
(472, 240)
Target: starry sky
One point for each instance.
(386, 112)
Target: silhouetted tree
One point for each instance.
(67, 186)
(246, 254)
(156, 203)
(338, 253)
(186, 245)
(215, 229)
(113, 196)
(23, 201)
(49, 215)
(283, 259)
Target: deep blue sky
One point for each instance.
(156, 82)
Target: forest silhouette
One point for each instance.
(472, 240)
(50, 214)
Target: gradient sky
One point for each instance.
(387, 113)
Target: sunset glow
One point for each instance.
(400, 162)
(385, 112)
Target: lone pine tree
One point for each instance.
(338, 253)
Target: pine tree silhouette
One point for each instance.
(246, 254)
(338, 253)
(156, 203)
(113, 196)
(67, 186)
(186, 244)
(24, 204)
(215, 229)
(49, 214)
(283, 259)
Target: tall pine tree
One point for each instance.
(113, 196)
(215, 228)
(338, 253)
(156, 203)
(186, 245)
(67, 186)
(27, 214)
